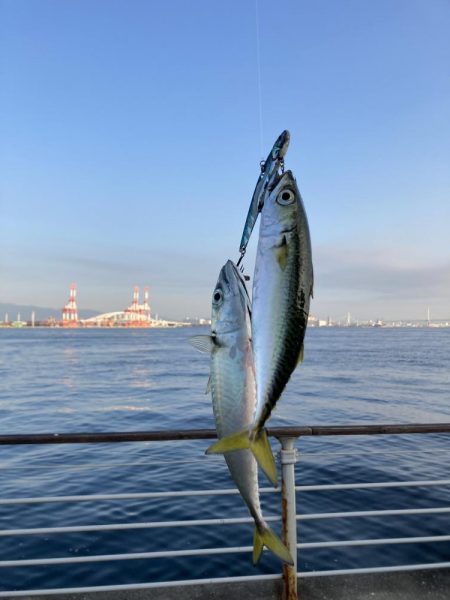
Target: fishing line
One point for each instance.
(258, 68)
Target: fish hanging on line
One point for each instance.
(232, 386)
(282, 289)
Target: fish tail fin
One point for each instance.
(262, 451)
(257, 442)
(258, 545)
(264, 536)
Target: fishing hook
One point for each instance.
(241, 269)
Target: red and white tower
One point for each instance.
(70, 311)
(138, 315)
(146, 305)
(135, 304)
(132, 311)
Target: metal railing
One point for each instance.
(289, 517)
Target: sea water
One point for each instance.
(55, 380)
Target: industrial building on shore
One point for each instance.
(135, 315)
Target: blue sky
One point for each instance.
(130, 143)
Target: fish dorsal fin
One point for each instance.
(202, 343)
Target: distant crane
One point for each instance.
(70, 311)
(138, 315)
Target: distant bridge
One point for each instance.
(125, 318)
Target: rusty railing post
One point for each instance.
(288, 514)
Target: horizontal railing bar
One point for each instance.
(207, 434)
(130, 496)
(67, 560)
(387, 429)
(219, 492)
(309, 456)
(227, 521)
(138, 586)
(360, 571)
(108, 437)
(126, 526)
(373, 513)
(374, 542)
(112, 465)
(363, 486)
(369, 453)
(117, 465)
(210, 551)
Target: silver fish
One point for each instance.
(232, 385)
(282, 289)
(269, 174)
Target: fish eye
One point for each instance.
(218, 296)
(285, 197)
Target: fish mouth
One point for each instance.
(231, 274)
(286, 178)
(236, 283)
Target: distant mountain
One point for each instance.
(41, 312)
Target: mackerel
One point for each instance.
(232, 386)
(282, 289)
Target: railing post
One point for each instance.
(288, 514)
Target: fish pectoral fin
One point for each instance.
(301, 356)
(235, 441)
(264, 536)
(208, 385)
(262, 451)
(202, 343)
(282, 253)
